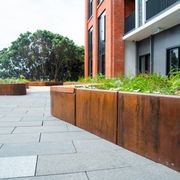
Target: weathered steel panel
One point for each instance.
(150, 126)
(63, 106)
(96, 112)
(13, 89)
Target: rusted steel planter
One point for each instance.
(96, 112)
(63, 103)
(44, 83)
(143, 123)
(150, 126)
(13, 89)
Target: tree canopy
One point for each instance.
(42, 55)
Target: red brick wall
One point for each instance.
(114, 33)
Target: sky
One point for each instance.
(65, 17)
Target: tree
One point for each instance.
(42, 55)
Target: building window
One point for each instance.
(101, 43)
(144, 64)
(90, 8)
(90, 51)
(173, 59)
(99, 1)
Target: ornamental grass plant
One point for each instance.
(144, 83)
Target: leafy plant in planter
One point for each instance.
(145, 83)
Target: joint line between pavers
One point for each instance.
(1, 146)
(110, 168)
(87, 175)
(13, 129)
(40, 137)
(74, 146)
(35, 172)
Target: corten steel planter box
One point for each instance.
(150, 126)
(44, 83)
(146, 124)
(63, 103)
(13, 89)
(96, 112)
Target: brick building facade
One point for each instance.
(131, 36)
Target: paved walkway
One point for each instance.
(34, 145)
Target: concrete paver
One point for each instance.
(6, 130)
(40, 129)
(65, 136)
(74, 176)
(78, 162)
(95, 146)
(35, 145)
(148, 172)
(20, 123)
(19, 138)
(9, 150)
(17, 166)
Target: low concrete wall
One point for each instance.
(146, 124)
(13, 89)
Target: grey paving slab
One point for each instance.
(6, 130)
(20, 123)
(19, 138)
(64, 136)
(40, 129)
(79, 162)
(54, 123)
(30, 118)
(149, 172)
(95, 146)
(74, 128)
(10, 118)
(17, 166)
(74, 176)
(36, 149)
(50, 118)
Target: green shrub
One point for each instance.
(145, 83)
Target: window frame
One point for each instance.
(168, 67)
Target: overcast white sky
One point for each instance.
(65, 17)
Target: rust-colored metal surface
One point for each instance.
(13, 89)
(63, 105)
(150, 126)
(96, 112)
(44, 83)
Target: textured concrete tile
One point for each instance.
(40, 129)
(50, 118)
(17, 166)
(10, 119)
(6, 130)
(54, 123)
(36, 149)
(19, 138)
(149, 172)
(74, 176)
(30, 118)
(20, 123)
(95, 146)
(78, 162)
(74, 128)
(64, 136)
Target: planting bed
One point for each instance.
(13, 89)
(143, 123)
